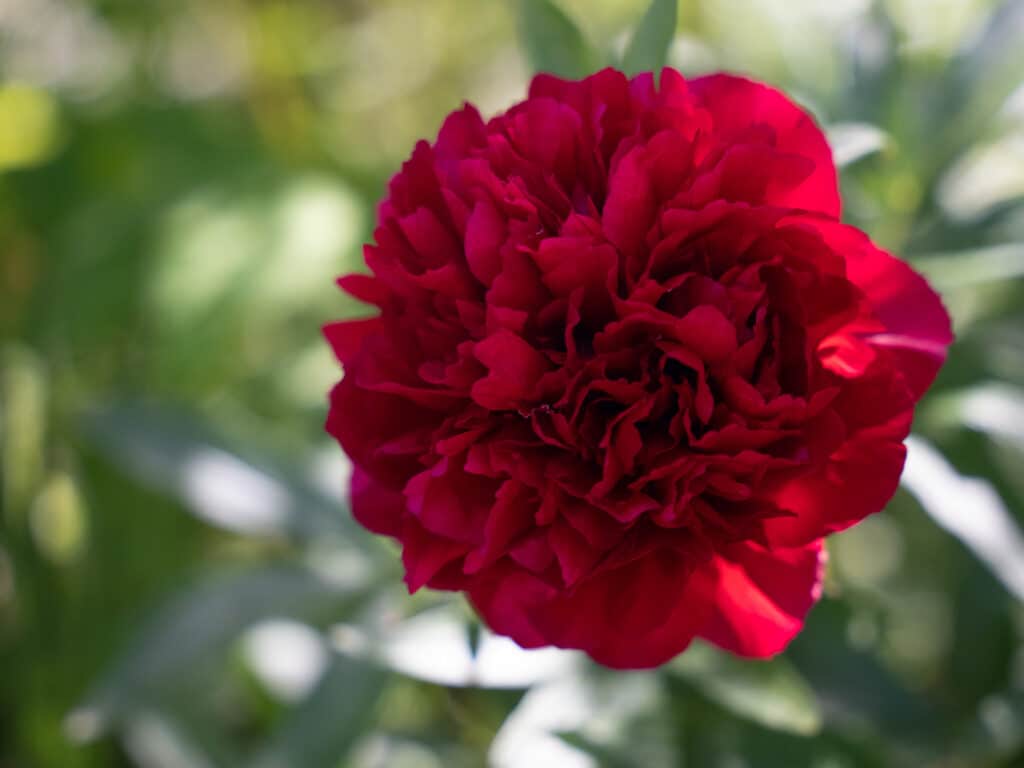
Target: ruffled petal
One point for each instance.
(736, 104)
(376, 507)
(857, 481)
(917, 326)
(636, 616)
(758, 597)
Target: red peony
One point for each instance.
(629, 367)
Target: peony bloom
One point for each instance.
(629, 368)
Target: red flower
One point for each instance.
(629, 367)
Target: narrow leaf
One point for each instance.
(982, 77)
(972, 267)
(156, 740)
(194, 630)
(852, 141)
(648, 50)
(971, 509)
(320, 731)
(854, 690)
(175, 452)
(553, 43)
(770, 693)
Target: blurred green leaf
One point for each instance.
(857, 694)
(965, 269)
(193, 630)
(982, 77)
(23, 414)
(984, 639)
(648, 50)
(174, 451)
(157, 740)
(971, 509)
(320, 731)
(771, 692)
(851, 142)
(174, 236)
(553, 42)
(606, 757)
(992, 408)
(995, 736)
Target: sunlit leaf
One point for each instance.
(771, 692)
(565, 721)
(286, 657)
(986, 178)
(993, 408)
(970, 508)
(852, 141)
(434, 646)
(174, 452)
(601, 755)
(194, 629)
(23, 412)
(984, 75)
(30, 130)
(648, 50)
(155, 740)
(968, 268)
(553, 42)
(320, 731)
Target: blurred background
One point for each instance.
(180, 583)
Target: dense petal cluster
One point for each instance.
(629, 368)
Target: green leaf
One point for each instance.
(192, 632)
(852, 141)
(23, 403)
(174, 451)
(648, 50)
(553, 43)
(993, 408)
(320, 731)
(156, 739)
(856, 692)
(603, 756)
(969, 268)
(995, 736)
(984, 639)
(982, 78)
(770, 693)
(970, 508)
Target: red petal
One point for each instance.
(636, 616)
(514, 366)
(424, 554)
(630, 208)
(759, 597)
(450, 502)
(707, 332)
(858, 480)
(510, 517)
(364, 421)
(485, 232)
(568, 264)
(346, 338)
(462, 131)
(376, 507)
(366, 288)
(917, 325)
(736, 104)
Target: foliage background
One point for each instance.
(180, 584)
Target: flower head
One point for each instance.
(629, 368)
